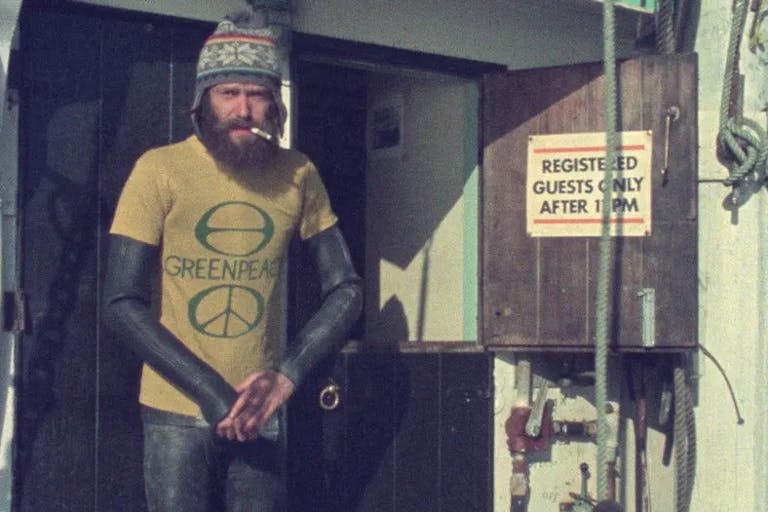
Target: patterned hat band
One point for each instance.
(238, 53)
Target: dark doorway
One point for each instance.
(413, 428)
(98, 88)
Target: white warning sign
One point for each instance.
(566, 183)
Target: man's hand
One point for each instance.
(260, 395)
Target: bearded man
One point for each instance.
(217, 211)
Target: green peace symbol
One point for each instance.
(238, 310)
(257, 230)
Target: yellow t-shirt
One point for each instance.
(224, 239)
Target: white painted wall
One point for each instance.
(415, 207)
(733, 290)
(515, 33)
(731, 472)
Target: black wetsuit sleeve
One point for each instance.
(127, 313)
(342, 300)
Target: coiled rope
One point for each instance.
(742, 143)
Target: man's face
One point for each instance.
(228, 112)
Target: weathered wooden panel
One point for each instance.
(512, 107)
(561, 280)
(539, 292)
(466, 428)
(417, 457)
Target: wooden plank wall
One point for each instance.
(540, 292)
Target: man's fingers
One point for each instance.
(225, 429)
(247, 425)
(259, 381)
(226, 433)
(246, 429)
(247, 399)
(238, 407)
(238, 429)
(246, 422)
(252, 425)
(261, 394)
(247, 383)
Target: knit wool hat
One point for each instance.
(243, 48)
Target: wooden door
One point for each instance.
(99, 87)
(539, 292)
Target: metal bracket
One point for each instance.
(648, 297)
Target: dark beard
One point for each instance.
(248, 156)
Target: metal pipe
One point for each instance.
(519, 482)
(523, 382)
(575, 429)
(612, 445)
(516, 441)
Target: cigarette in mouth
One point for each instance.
(261, 133)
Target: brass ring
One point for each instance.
(329, 397)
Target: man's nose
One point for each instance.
(243, 107)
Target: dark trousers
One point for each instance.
(188, 468)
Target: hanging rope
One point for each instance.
(685, 440)
(742, 143)
(605, 257)
(665, 27)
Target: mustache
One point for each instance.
(234, 123)
(239, 123)
(265, 130)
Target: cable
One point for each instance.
(739, 417)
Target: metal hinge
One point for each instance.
(15, 311)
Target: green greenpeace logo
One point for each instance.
(226, 311)
(235, 228)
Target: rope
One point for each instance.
(665, 27)
(605, 256)
(742, 143)
(685, 441)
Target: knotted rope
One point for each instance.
(742, 143)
